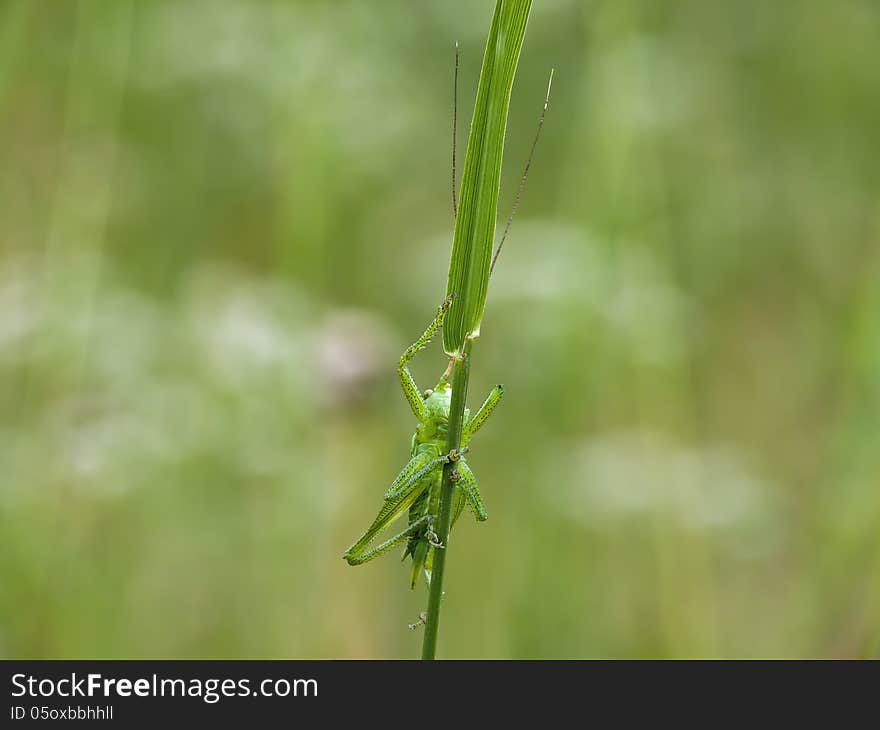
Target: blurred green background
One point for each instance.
(221, 222)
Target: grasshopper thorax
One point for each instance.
(437, 407)
(437, 403)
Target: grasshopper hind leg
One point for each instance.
(388, 544)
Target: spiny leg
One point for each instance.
(479, 418)
(410, 389)
(412, 470)
(390, 511)
(467, 482)
(389, 543)
(402, 500)
(401, 485)
(399, 488)
(453, 456)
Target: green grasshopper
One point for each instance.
(416, 490)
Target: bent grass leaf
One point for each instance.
(471, 253)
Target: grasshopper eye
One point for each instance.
(427, 394)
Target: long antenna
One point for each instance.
(522, 182)
(454, 130)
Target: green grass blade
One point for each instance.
(478, 199)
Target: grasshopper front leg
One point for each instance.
(410, 389)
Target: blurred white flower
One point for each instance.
(631, 473)
(626, 290)
(352, 348)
